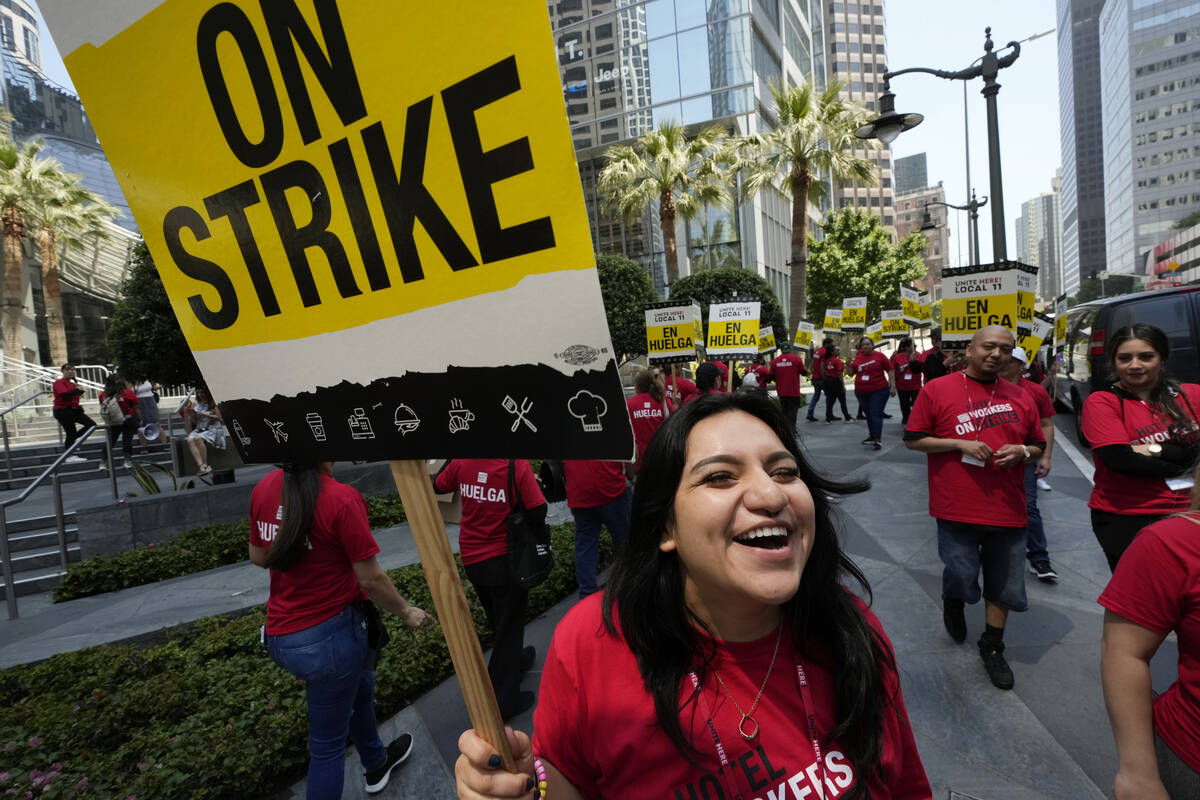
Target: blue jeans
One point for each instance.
(873, 403)
(614, 516)
(1035, 534)
(1000, 552)
(816, 396)
(330, 657)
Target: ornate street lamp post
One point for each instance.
(972, 208)
(888, 125)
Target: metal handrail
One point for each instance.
(15, 406)
(4, 429)
(10, 589)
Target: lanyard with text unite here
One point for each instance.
(719, 747)
(991, 402)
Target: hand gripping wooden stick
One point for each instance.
(429, 532)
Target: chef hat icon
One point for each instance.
(588, 408)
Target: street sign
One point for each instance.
(733, 329)
(359, 220)
(670, 332)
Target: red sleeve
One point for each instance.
(447, 479)
(527, 485)
(921, 418)
(1102, 423)
(1045, 405)
(1149, 582)
(557, 729)
(354, 531)
(1034, 431)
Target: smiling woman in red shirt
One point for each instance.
(1145, 438)
(874, 382)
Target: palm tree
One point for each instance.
(814, 136)
(664, 165)
(64, 213)
(22, 176)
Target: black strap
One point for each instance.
(513, 492)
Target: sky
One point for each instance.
(948, 35)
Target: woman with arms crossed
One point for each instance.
(746, 676)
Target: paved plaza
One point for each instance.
(1048, 738)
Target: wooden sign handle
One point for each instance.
(429, 532)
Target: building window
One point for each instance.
(6, 33)
(31, 46)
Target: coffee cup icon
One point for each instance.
(461, 419)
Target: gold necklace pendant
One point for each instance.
(753, 732)
(750, 735)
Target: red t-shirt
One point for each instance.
(593, 483)
(786, 370)
(1040, 398)
(483, 485)
(595, 722)
(61, 386)
(1109, 418)
(870, 372)
(647, 416)
(996, 413)
(1157, 586)
(907, 380)
(321, 582)
(834, 368)
(680, 390)
(127, 401)
(818, 363)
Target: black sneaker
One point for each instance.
(524, 702)
(1045, 573)
(868, 440)
(997, 668)
(528, 655)
(878, 445)
(955, 620)
(811, 419)
(397, 752)
(887, 415)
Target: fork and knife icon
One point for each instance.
(511, 407)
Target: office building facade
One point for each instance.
(1150, 84)
(911, 208)
(1080, 121)
(629, 66)
(911, 173)
(856, 56)
(1039, 240)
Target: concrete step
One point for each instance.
(40, 558)
(21, 542)
(35, 581)
(90, 471)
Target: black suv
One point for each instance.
(1082, 368)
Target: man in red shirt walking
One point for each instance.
(67, 410)
(979, 431)
(786, 370)
(598, 495)
(818, 375)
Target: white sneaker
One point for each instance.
(74, 460)
(1044, 485)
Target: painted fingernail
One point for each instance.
(494, 762)
(530, 783)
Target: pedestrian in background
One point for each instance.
(648, 408)
(834, 383)
(147, 397)
(933, 360)
(786, 370)
(978, 432)
(908, 376)
(483, 484)
(1036, 551)
(679, 389)
(708, 380)
(817, 375)
(119, 410)
(598, 496)
(67, 410)
(874, 382)
(312, 533)
(1144, 437)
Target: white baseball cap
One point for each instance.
(1019, 354)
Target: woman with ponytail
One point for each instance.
(312, 533)
(1144, 437)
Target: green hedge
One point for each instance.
(192, 551)
(206, 714)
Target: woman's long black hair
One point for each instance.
(301, 486)
(665, 640)
(1163, 393)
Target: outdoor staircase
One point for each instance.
(36, 562)
(30, 460)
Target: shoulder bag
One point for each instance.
(529, 556)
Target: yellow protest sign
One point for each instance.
(669, 332)
(975, 297)
(804, 335)
(924, 310)
(766, 339)
(1060, 322)
(697, 325)
(1041, 328)
(1026, 293)
(833, 321)
(854, 313)
(893, 325)
(874, 332)
(733, 330)
(910, 305)
(330, 189)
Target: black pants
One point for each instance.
(835, 392)
(906, 402)
(68, 418)
(126, 430)
(1115, 532)
(791, 407)
(504, 605)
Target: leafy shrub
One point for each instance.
(183, 718)
(192, 551)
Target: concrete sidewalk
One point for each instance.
(1048, 738)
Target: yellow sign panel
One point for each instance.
(893, 324)
(337, 164)
(854, 313)
(833, 320)
(733, 329)
(875, 332)
(1026, 294)
(910, 304)
(766, 339)
(1060, 322)
(973, 298)
(804, 335)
